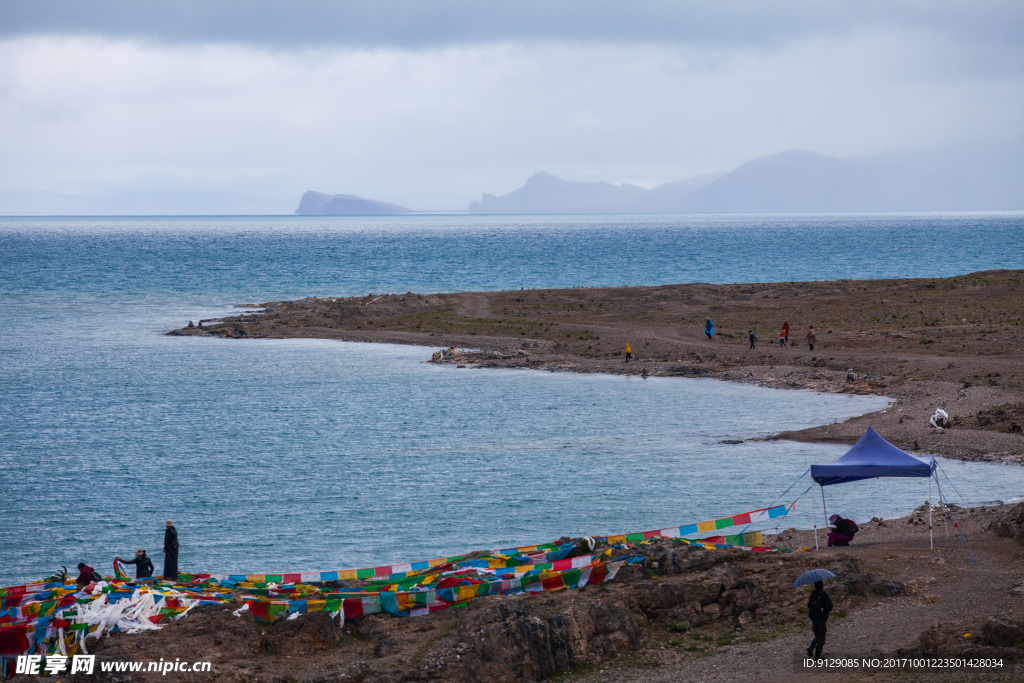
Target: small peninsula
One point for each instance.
(952, 343)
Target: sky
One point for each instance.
(206, 106)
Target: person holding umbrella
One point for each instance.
(819, 604)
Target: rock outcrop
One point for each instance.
(506, 639)
(1000, 636)
(1011, 525)
(320, 204)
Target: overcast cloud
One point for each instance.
(430, 104)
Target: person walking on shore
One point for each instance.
(629, 353)
(784, 335)
(143, 565)
(819, 604)
(170, 552)
(811, 337)
(709, 329)
(753, 339)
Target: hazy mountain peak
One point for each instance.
(798, 181)
(543, 178)
(320, 204)
(546, 193)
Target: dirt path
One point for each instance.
(947, 587)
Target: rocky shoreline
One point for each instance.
(951, 343)
(685, 613)
(688, 613)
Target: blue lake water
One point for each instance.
(302, 454)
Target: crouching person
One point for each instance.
(843, 532)
(86, 575)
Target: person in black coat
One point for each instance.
(143, 565)
(170, 552)
(819, 604)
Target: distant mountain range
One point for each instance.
(320, 204)
(966, 179)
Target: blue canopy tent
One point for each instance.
(873, 457)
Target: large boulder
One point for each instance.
(306, 634)
(997, 637)
(1011, 524)
(515, 640)
(210, 633)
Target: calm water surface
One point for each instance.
(290, 455)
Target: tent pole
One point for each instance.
(955, 524)
(945, 507)
(931, 537)
(824, 509)
(814, 519)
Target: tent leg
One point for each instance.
(931, 537)
(956, 526)
(823, 508)
(814, 519)
(945, 506)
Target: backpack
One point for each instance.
(847, 527)
(95, 576)
(819, 608)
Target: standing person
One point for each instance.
(170, 552)
(811, 337)
(143, 565)
(753, 339)
(629, 353)
(709, 329)
(818, 607)
(784, 335)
